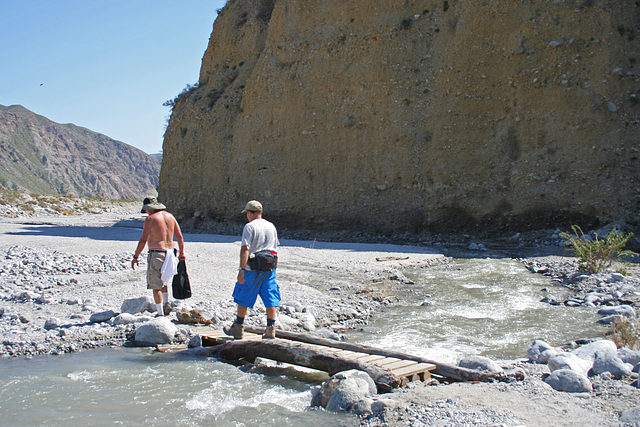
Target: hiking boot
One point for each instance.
(269, 333)
(167, 309)
(236, 330)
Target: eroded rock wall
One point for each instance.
(412, 114)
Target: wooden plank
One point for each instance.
(357, 355)
(399, 364)
(371, 358)
(386, 361)
(414, 369)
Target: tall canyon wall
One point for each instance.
(410, 115)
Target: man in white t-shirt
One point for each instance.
(258, 235)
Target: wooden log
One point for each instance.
(301, 354)
(444, 370)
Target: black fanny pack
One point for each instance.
(263, 261)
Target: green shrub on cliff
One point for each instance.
(597, 255)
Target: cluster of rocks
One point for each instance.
(21, 338)
(570, 370)
(594, 366)
(33, 280)
(591, 290)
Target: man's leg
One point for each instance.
(270, 330)
(271, 315)
(237, 329)
(242, 311)
(165, 300)
(157, 298)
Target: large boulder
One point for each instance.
(610, 362)
(569, 381)
(156, 331)
(343, 390)
(571, 362)
(137, 305)
(595, 348)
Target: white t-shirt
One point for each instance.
(260, 235)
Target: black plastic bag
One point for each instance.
(180, 285)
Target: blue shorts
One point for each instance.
(256, 283)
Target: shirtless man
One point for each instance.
(157, 232)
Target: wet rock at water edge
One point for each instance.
(609, 320)
(618, 310)
(156, 331)
(479, 363)
(343, 390)
(540, 352)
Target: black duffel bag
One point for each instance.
(180, 286)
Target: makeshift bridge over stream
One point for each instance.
(389, 369)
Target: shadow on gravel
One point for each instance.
(96, 233)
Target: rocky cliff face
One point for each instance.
(412, 114)
(38, 155)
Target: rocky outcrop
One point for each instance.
(411, 115)
(41, 156)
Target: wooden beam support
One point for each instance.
(444, 370)
(300, 354)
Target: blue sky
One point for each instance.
(107, 65)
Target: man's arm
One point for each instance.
(141, 243)
(244, 258)
(180, 238)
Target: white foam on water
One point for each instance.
(223, 396)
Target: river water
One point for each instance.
(483, 306)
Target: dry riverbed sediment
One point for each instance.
(57, 271)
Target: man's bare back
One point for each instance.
(158, 231)
(161, 226)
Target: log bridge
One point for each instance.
(388, 369)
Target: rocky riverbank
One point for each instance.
(64, 278)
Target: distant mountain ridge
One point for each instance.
(41, 156)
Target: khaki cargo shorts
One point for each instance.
(154, 269)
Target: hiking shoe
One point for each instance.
(236, 330)
(269, 333)
(167, 309)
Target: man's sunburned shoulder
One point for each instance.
(159, 216)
